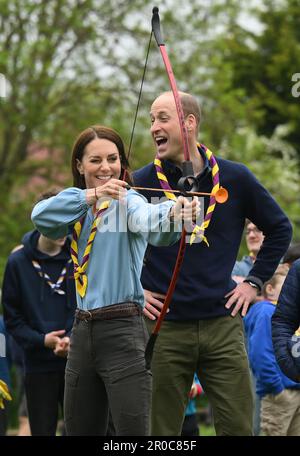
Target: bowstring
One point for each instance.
(138, 102)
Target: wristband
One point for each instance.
(253, 285)
(255, 282)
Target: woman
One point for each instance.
(106, 366)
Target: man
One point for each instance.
(38, 299)
(203, 331)
(254, 240)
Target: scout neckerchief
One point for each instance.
(55, 287)
(4, 394)
(80, 276)
(197, 230)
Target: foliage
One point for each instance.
(273, 161)
(72, 63)
(262, 67)
(52, 53)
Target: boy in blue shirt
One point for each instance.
(280, 396)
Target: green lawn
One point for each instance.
(207, 431)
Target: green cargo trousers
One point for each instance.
(106, 371)
(215, 350)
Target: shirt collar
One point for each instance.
(173, 169)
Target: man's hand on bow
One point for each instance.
(185, 210)
(153, 304)
(242, 296)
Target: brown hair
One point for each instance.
(292, 254)
(88, 135)
(282, 270)
(191, 106)
(47, 194)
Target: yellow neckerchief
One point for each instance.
(4, 394)
(80, 276)
(197, 230)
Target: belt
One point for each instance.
(125, 309)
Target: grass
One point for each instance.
(206, 431)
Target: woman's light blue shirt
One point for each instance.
(117, 254)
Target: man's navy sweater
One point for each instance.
(205, 276)
(31, 308)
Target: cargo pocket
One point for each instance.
(141, 335)
(131, 398)
(71, 382)
(124, 371)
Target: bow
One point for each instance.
(186, 183)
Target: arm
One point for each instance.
(238, 279)
(264, 212)
(161, 223)
(12, 310)
(261, 354)
(285, 322)
(54, 217)
(15, 320)
(152, 220)
(267, 215)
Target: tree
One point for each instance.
(51, 53)
(73, 63)
(265, 157)
(263, 65)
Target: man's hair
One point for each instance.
(292, 254)
(46, 195)
(248, 221)
(191, 106)
(282, 270)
